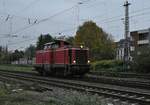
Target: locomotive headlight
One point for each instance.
(88, 61)
(74, 61)
(81, 46)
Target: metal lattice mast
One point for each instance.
(127, 34)
(126, 5)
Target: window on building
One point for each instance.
(143, 36)
(143, 45)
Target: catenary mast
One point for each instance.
(126, 34)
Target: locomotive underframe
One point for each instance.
(62, 69)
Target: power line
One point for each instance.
(43, 20)
(119, 16)
(27, 40)
(70, 29)
(29, 19)
(21, 11)
(31, 39)
(66, 30)
(132, 16)
(28, 6)
(16, 16)
(10, 44)
(84, 1)
(46, 19)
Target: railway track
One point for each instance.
(121, 74)
(127, 82)
(123, 93)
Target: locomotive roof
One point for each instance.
(50, 43)
(57, 42)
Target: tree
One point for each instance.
(96, 39)
(70, 40)
(4, 55)
(30, 52)
(16, 55)
(42, 40)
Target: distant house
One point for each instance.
(23, 61)
(120, 49)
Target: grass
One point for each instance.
(16, 67)
(23, 97)
(3, 92)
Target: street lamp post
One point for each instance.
(78, 12)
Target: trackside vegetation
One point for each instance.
(107, 65)
(141, 61)
(15, 94)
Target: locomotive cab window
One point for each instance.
(55, 46)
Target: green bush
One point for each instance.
(3, 89)
(141, 61)
(107, 65)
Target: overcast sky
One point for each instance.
(22, 21)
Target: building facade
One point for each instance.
(141, 38)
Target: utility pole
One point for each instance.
(78, 13)
(126, 35)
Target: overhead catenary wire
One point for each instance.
(31, 39)
(20, 11)
(37, 22)
(17, 16)
(81, 19)
(10, 44)
(43, 20)
(67, 30)
(117, 19)
(28, 6)
(74, 28)
(119, 16)
(131, 16)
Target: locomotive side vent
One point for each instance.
(81, 56)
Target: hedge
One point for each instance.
(107, 65)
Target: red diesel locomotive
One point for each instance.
(60, 58)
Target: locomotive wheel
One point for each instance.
(44, 73)
(40, 73)
(81, 75)
(39, 70)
